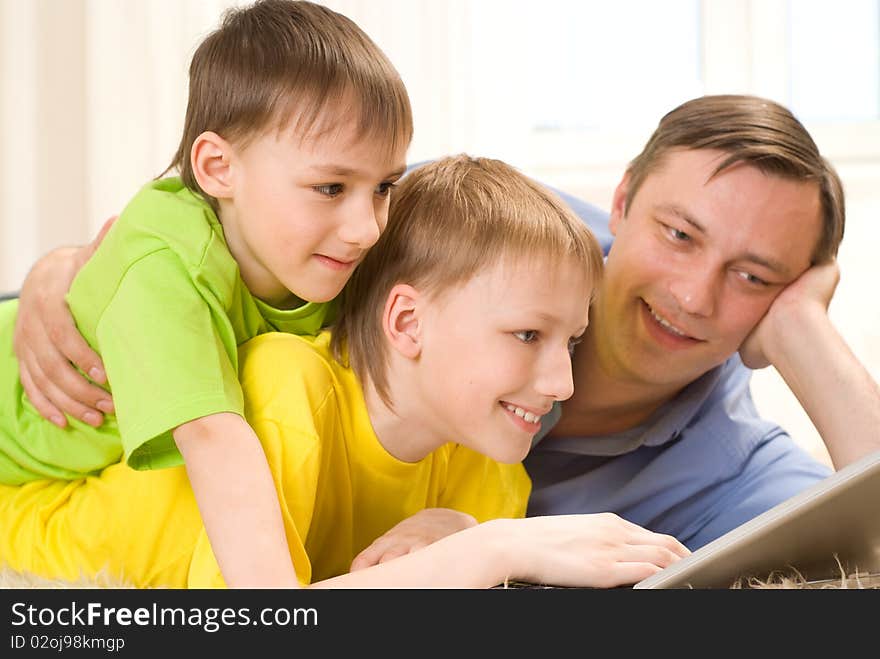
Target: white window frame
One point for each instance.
(744, 50)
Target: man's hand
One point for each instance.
(48, 345)
(836, 391)
(422, 529)
(815, 287)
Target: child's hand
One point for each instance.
(48, 345)
(599, 550)
(423, 528)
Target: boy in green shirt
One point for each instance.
(296, 130)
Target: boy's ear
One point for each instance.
(210, 158)
(401, 320)
(618, 204)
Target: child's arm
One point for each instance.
(48, 345)
(238, 501)
(424, 528)
(600, 550)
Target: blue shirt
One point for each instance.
(703, 464)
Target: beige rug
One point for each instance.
(13, 579)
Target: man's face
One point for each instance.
(496, 353)
(695, 264)
(305, 211)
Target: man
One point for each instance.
(720, 256)
(724, 229)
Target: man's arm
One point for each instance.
(50, 349)
(834, 388)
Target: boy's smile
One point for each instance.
(305, 211)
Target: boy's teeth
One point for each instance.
(521, 413)
(666, 324)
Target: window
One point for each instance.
(581, 85)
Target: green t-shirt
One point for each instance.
(164, 305)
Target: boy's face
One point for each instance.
(696, 263)
(305, 211)
(496, 353)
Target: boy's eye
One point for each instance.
(384, 189)
(330, 190)
(526, 336)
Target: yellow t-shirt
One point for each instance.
(339, 488)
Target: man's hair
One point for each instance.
(278, 61)
(448, 221)
(755, 131)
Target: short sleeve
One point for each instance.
(166, 359)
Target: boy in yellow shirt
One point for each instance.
(456, 350)
(295, 132)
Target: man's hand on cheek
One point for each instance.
(808, 294)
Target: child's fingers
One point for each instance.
(72, 347)
(367, 558)
(52, 402)
(52, 384)
(641, 535)
(42, 404)
(396, 551)
(625, 574)
(649, 553)
(384, 549)
(668, 542)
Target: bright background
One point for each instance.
(92, 96)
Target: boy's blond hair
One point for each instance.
(449, 220)
(281, 61)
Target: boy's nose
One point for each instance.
(555, 379)
(361, 227)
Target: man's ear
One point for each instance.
(618, 204)
(401, 320)
(210, 158)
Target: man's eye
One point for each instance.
(330, 190)
(526, 336)
(752, 279)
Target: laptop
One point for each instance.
(827, 532)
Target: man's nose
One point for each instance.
(695, 292)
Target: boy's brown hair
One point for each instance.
(449, 220)
(278, 61)
(755, 131)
